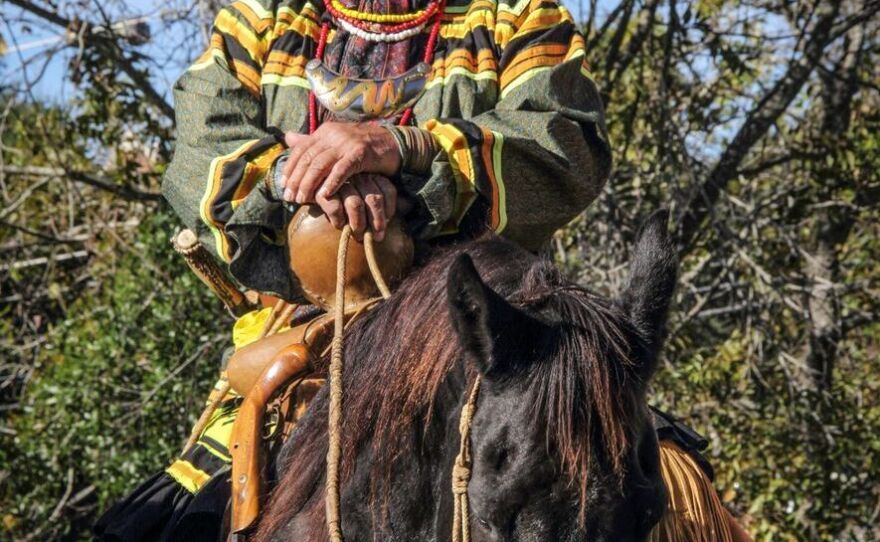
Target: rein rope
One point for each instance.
(461, 470)
(334, 416)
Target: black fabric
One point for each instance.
(161, 510)
(669, 427)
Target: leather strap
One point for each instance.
(247, 468)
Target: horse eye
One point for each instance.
(502, 458)
(483, 523)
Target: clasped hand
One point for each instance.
(344, 168)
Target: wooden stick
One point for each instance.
(203, 264)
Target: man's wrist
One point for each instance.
(388, 150)
(416, 148)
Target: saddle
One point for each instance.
(264, 370)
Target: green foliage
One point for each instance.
(780, 288)
(119, 382)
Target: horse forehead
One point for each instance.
(505, 412)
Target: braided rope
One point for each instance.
(334, 417)
(370, 250)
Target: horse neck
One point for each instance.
(418, 501)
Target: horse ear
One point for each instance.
(651, 284)
(493, 333)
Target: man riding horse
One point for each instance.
(452, 118)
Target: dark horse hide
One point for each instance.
(563, 445)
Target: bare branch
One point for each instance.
(125, 192)
(106, 42)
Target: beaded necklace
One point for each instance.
(419, 18)
(339, 11)
(381, 23)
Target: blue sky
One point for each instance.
(32, 45)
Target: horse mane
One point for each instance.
(399, 355)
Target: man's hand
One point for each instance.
(320, 163)
(367, 200)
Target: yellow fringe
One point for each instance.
(694, 512)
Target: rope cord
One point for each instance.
(370, 250)
(334, 417)
(461, 470)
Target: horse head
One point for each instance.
(563, 446)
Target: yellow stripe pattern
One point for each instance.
(256, 29)
(501, 205)
(519, 27)
(456, 146)
(255, 169)
(188, 475)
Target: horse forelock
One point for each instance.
(583, 385)
(400, 354)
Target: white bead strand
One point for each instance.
(370, 36)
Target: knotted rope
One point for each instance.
(461, 470)
(334, 421)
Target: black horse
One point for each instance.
(563, 444)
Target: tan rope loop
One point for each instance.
(461, 470)
(370, 251)
(334, 422)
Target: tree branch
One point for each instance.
(125, 192)
(106, 42)
(758, 122)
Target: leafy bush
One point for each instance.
(120, 381)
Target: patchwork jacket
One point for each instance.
(510, 100)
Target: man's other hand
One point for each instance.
(366, 200)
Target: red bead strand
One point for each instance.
(313, 100)
(429, 55)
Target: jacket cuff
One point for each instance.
(274, 178)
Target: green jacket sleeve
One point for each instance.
(224, 150)
(541, 155)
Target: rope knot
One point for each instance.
(461, 475)
(461, 470)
